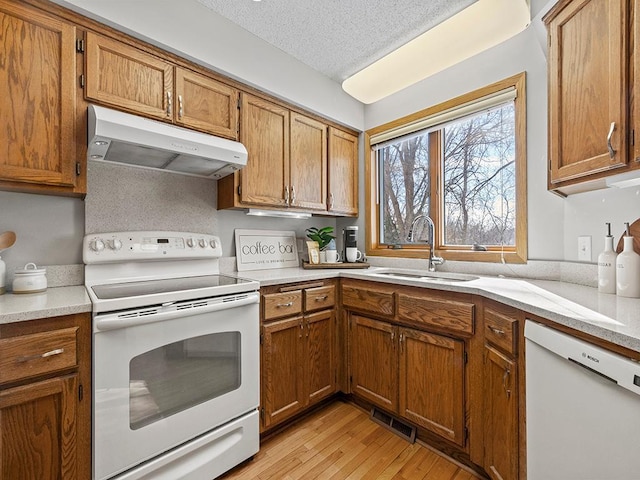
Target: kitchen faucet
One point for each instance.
(433, 260)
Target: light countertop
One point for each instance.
(51, 303)
(609, 317)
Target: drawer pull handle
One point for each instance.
(285, 305)
(322, 298)
(495, 330)
(51, 353)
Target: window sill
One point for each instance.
(452, 255)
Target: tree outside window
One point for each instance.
(465, 172)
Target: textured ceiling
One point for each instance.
(337, 37)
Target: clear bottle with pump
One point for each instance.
(607, 265)
(628, 269)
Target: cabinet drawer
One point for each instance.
(36, 354)
(278, 305)
(442, 314)
(368, 299)
(501, 330)
(319, 298)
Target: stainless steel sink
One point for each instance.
(425, 276)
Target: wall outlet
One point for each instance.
(584, 248)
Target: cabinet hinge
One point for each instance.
(80, 45)
(262, 414)
(633, 137)
(80, 392)
(549, 164)
(82, 81)
(78, 169)
(466, 434)
(466, 358)
(351, 379)
(261, 338)
(238, 103)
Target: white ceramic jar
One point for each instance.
(29, 279)
(3, 270)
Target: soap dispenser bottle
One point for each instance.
(607, 265)
(628, 269)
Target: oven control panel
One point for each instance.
(136, 246)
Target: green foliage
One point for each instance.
(323, 235)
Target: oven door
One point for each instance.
(162, 383)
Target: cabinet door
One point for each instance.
(282, 369)
(264, 132)
(206, 104)
(38, 435)
(122, 76)
(374, 361)
(320, 355)
(37, 104)
(431, 383)
(588, 85)
(500, 416)
(308, 188)
(343, 172)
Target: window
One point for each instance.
(463, 165)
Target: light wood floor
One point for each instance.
(339, 442)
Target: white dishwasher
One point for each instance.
(583, 409)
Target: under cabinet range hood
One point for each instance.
(119, 137)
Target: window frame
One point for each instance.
(512, 254)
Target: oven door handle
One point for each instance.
(113, 321)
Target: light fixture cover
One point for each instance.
(475, 29)
(277, 213)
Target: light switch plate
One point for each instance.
(584, 248)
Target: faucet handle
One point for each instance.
(437, 260)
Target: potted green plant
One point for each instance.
(322, 235)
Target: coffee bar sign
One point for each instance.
(264, 249)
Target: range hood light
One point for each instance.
(100, 142)
(277, 213)
(95, 156)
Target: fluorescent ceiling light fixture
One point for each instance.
(475, 29)
(277, 213)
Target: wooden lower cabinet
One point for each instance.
(500, 391)
(298, 364)
(416, 374)
(374, 361)
(432, 383)
(39, 423)
(45, 399)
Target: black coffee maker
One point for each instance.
(350, 237)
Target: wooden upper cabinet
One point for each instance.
(206, 104)
(125, 77)
(588, 88)
(343, 172)
(37, 104)
(308, 164)
(264, 132)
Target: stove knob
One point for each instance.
(115, 244)
(96, 245)
(203, 243)
(213, 244)
(191, 243)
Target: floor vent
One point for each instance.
(398, 427)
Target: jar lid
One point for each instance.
(30, 269)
